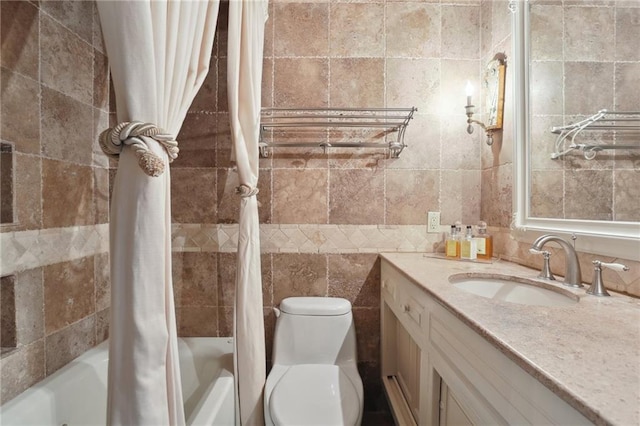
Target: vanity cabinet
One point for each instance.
(436, 370)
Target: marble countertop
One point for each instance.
(587, 353)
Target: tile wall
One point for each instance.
(54, 290)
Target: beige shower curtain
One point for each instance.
(159, 55)
(244, 75)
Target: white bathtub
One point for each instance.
(77, 393)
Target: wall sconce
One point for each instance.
(493, 83)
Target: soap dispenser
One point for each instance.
(452, 245)
(468, 248)
(484, 242)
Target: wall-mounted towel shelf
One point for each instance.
(623, 123)
(334, 127)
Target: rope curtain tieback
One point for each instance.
(130, 133)
(245, 191)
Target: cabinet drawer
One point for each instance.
(410, 308)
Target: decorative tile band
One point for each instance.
(32, 249)
(307, 238)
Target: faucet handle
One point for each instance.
(615, 266)
(597, 285)
(545, 272)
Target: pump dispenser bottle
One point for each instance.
(468, 248)
(452, 245)
(484, 242)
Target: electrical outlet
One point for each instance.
(433, 222)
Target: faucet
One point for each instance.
(572, 274)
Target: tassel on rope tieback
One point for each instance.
(131, 133)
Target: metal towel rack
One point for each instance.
(627, 122)
(334, 127)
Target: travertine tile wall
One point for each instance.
(54, 85)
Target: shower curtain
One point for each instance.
(244, 81)
(159, 55)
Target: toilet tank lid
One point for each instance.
(315, 306)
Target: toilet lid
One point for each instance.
(314, 394)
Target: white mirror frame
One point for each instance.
(617, 239)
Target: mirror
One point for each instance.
(568, 66)
(493, 82)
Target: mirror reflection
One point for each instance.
(584, 58)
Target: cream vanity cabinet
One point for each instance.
(436, 370)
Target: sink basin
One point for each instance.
(514, 290)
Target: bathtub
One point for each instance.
(77, 393)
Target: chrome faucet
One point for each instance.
(572, 274)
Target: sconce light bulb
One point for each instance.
(469, 88)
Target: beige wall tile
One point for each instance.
(69, 293)
(300, 196)
(197, 321)
(302, 29)
(69, 343)
(29, 300)
(412, 30)
(19, 114)
(28, 181)
(197, 141)
(21, 369)
(207, 96)
(626, 202)
(627, 81)
(193, 195)
(101, 195)
(423, 149)
(546, 30)
(453, 87)
(546, 88)
(547, 193)
(497, 195)
(103, 318)
(301, 82)
(460, 194)
(590, 42)
(588, 194)
(413, 82)
(357, 29)
(367, 323)
(8, 338)
(356, 196)
(588, 87)
(66, 62)
(357, 82)
(227, 279)
(102, 281)
(77, 16)
(627, 34)
(195, 279)
(461, 31)
(410, 194)
(299, 275)
(355, 277)
(19, 37)
(67, 194)
(100, 81)
(66, 128)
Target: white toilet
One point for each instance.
(314, 379)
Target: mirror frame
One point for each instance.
(617, 239)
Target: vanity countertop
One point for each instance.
(587, 353)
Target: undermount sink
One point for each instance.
(514, 290)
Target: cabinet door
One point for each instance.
(451, 413)
(408, 368)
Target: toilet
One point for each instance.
(314, 380)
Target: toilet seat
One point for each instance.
(314, 394)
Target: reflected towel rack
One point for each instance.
(604, 120)
(334, 127)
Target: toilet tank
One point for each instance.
(314, 330)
